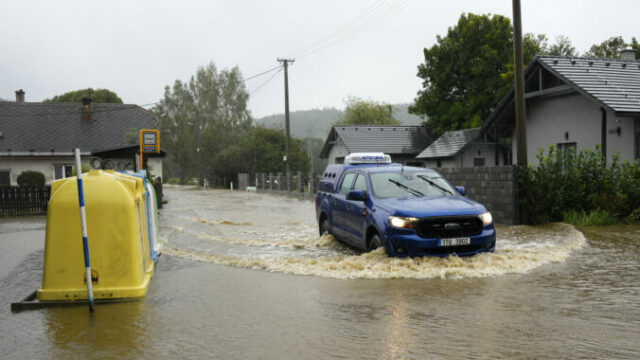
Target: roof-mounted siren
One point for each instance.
(367, 158)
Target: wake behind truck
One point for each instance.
(369, 202)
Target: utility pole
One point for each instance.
(285, 64)
(521, 132)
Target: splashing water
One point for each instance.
(262, 236)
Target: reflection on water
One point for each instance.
(228, 287)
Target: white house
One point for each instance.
(576, 103)
(42, 137)
(462, 148)
(403, 143)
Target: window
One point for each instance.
(565, 148)
(5, 177)
(439, 163)
(340, 160)
(345, 185)
(361, 183)
(638, 145)
(61, 171)
(478, 161)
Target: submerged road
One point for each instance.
(245, 276)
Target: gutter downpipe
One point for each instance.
(603, 135)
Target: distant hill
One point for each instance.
(317, 123)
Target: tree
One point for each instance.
(464, 74)
(98, 96)
(265, 148)
(203, 121)
(611, 48)
(562, 47)
(360, 112)
(469, 70)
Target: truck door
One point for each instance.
(357, 212)
(339, 206)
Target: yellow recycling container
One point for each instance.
(121, 266)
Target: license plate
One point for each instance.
(455, 241)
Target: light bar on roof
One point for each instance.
(367, 158)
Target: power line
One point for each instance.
(262, 73)
(266, 82)
(374, 15)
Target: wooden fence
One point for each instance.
(24, 200)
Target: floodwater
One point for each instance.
(245, 276)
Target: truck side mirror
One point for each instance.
(357, 195)
(461, 190)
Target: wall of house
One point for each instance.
(637, 137)
(486, 151)
(466, 156)
(45, 165)
(42, 164)
(574, 118)
(337, 150)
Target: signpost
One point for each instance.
(149, 143)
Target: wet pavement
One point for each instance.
(244, 275)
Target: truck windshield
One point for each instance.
(409, 184)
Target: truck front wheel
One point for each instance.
(375, 242)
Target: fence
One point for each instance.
(300, 184)
(24, 200)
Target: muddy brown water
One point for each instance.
(245, 276)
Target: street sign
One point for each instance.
(149, 143)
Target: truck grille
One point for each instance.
(449, 226)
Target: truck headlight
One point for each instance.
(486, 218)
(402, 222)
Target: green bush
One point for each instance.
(579, 182)
(173, 181)
(31, 178)
(597, 217)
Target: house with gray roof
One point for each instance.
(403, 143)
(461, 148)
(576, 103)
(42, 137)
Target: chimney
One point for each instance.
(20, 96)
(86, 108)
(628, 54)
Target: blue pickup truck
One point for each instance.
(369, 202)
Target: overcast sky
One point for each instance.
(367, 48)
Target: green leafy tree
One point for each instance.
(562, 47)
(203, 121)
(360, 112)
(609, 48)
(265, 148)
(98, 96)
(465, 73)
(470, 69)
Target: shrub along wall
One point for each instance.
(568, 182)
(494, 187)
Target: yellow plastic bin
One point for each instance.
(117, 233)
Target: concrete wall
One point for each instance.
(573, 118)
(45, 165)
(495, 187)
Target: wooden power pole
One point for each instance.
(287, 160)
(521, 132)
